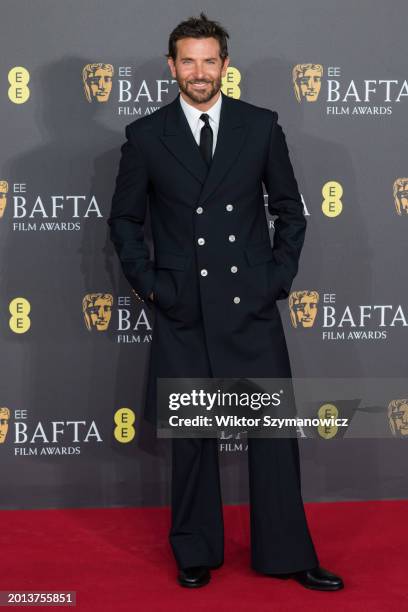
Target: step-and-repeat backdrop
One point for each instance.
(75, 340)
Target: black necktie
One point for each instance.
(206, 139)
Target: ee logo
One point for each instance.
(19, 321)
(18, 91)
(332, 193)
(328, 411)
(230, 83)
(124, 431)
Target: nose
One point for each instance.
(199, 73)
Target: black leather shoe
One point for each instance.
(194, 576)
(318, 578)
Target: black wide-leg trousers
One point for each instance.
(280, 538)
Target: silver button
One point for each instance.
(237, 300)
(199, 210)
(204, 272)
(229, 207)
(234, 268)
(231, 237)
(201, 241)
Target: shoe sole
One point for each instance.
(322, 588)
(193, 586)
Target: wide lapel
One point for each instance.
(179, 140)
(232, 132)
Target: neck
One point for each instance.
(203, 106)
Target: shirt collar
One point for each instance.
(193, 113)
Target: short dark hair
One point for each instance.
(199, 27)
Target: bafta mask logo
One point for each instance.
(400, 193)
(307, 81)
(3, 197)
(97, 79)
(97, 309)
(398, 417)
(4, 424)
(303, 308)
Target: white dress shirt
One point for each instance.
(193, 117)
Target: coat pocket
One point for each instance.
(171, 261)
(170, 274)
(274, 273)
(257, 256)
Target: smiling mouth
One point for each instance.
(200, 85)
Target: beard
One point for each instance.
(200, 96)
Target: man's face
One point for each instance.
(198, 68)
(100, 314)
(100, 84)
(310, 84)
(306, 310)
(3, 203)
(400, 416)
(403, 198)
(4, 421)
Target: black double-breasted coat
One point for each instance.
(215, 274)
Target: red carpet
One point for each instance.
(120, 560)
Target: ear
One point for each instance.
(171, 65)
(225, 66)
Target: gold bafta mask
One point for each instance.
(97, 80)
(4, 423)
(97, 309)
(400, 193)
(307, 81)
(303, 308)
(398, 417)
(3, 197)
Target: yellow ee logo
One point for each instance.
(18, 91)
(332, 192)
(124, 431)
(328, 411)
(19, 321)
(230, 83)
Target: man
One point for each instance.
(213, 286)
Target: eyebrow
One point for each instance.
(191, 58)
